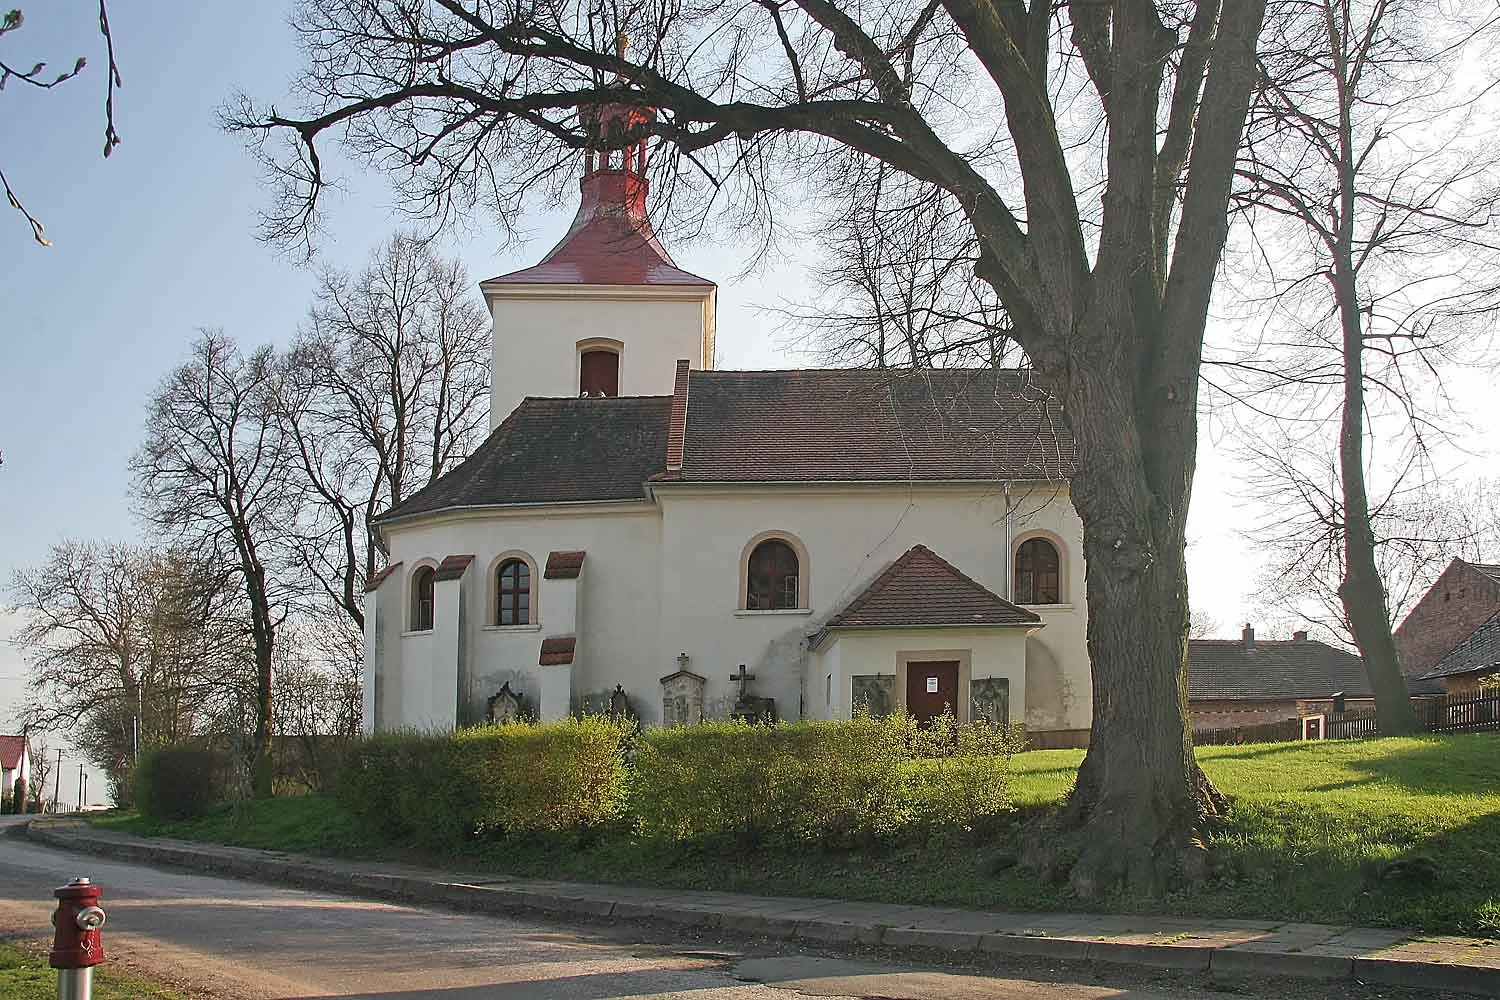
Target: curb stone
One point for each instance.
(801, 919)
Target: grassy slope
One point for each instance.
(25, 975)
(1395, 831)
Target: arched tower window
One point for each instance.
(513, 593)
(599, 372)
(773, 577)
(423, 587)
(1038, 577)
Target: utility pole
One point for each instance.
(57, 780)
(81, 779)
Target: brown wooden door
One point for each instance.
(931, 689)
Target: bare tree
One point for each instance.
(896, 281)
(128, 648)
(37, 76)
(384, 391)
(1416, 528)
(41, 772)
(213, 473)
(1090, 148)
(1373, 188)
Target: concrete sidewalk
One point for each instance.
(1224, 947)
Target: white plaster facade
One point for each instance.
(666, 577)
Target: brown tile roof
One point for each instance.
(872, 426)
(452, 567)
(964, 425)
(557, 650)
(1224, 669)
(1479, 653)
(922, 589)
(375, 581)
(11, 748)
(611, 242)
(564, 565)
(555, 451)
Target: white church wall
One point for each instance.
(850, 535)
(535, 349)
(614, 618)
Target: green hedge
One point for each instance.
(180, 782)
(833, 784)
(439, 790)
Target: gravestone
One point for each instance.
(875, 694)
(504, 705)
(619, 705)
(682, 699)
(989, 699)
(749, 707)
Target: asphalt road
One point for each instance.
(225, 938)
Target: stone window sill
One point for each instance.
(1041, 608)
(743, 613)
(514, 628)
(414, 633)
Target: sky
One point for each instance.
(158, 242)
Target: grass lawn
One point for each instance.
(25, 975)
(1400, 831)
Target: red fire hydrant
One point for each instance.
(77, 945)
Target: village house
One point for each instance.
(15, 763)
(1236, 683)
(643, 530)
(1452, 635)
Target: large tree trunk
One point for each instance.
(1136, 814)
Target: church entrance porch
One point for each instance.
(931, 689)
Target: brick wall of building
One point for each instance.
(1460, 601)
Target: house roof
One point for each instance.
(555, 451)
(966, 425)
(1277, 669)
(611, 242)
(922, 589)
(1480, 652)
(872, 425)
(11, 749)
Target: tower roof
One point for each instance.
(611, 241)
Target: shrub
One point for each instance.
(180, 782)
(959, 793)
(834, 783)
(18, 796)
(437, 791)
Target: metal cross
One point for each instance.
(743, 678)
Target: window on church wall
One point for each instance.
(513, 593)
(599, 373)
(1038, 573)
(423, 595)
(773, 578)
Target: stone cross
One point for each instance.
(743, 677)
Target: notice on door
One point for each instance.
(932, 685)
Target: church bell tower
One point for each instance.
(607, 311)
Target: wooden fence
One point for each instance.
(1454, 713)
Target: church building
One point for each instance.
(641, 530)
